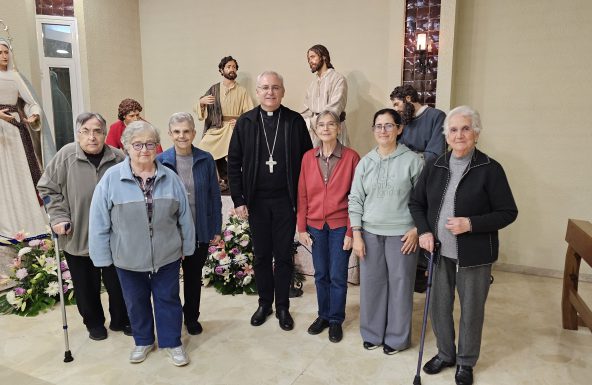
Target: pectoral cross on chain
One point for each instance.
(271, 163)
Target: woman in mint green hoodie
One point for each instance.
(385, 237)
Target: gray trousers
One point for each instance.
(472, 284)
(387, 277)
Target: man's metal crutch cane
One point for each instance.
(67, 354)
(417, 379)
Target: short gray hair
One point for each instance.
(268, 73)
(331, 114)
(181, 117)
(86, 116)
(134, 128)
(466, 112)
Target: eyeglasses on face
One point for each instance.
(388, 127)
(138, 146)
(95, 133)
(273, 89)
(329, 125)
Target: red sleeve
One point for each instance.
(302, 197)
(114, 135)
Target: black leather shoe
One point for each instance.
(318, 326)
(126, 329)
(99, 333)
(194, 328)
(464, 375)
(335, 332)
(286, 321)
(369, 345)
(260, 316)
(435, 365)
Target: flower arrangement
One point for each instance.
(229, 266)
(35, 271)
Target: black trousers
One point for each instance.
(87, 291)
(192, 266)
(273, 225)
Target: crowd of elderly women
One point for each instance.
(148, 216)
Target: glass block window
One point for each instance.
(422, 16)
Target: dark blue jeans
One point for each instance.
(163, 286)
(330, 263)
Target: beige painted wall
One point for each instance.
(19, 15)
(525, 66)
(111, 61)
(181, 48)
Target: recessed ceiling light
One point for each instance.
(62, 51)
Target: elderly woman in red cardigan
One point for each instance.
(325, 179)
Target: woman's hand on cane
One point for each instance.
(426, 242)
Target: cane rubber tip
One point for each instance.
(417, 380)
(68, 356)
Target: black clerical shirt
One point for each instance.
(272, 185)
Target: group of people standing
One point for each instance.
(142, 215)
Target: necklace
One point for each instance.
(271, 162)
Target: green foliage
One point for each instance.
(35, 272)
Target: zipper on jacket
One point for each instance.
(150, 229)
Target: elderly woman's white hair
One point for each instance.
(134, 128)
(466, 112)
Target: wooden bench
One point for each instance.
(574, 309)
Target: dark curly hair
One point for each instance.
(401, 93)
(126, 106)
(323, 52)
(391, 112)
(225, 61)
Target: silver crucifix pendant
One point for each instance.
(271, 163)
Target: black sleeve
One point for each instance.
(305, 140)
(235, 165)
(503, 207)
(418, 202)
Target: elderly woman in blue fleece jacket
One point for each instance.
(140, 221)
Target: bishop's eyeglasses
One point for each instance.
(273, 89)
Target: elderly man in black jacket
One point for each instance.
(264, 158)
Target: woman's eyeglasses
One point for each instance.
(388, 127)
(149, 146)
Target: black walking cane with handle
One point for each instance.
(67, 354)
(433, 254)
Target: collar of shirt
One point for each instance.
(336, 151)
(227, 89)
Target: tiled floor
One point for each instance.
(523, 343)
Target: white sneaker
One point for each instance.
(178, 355)
(139, 353)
